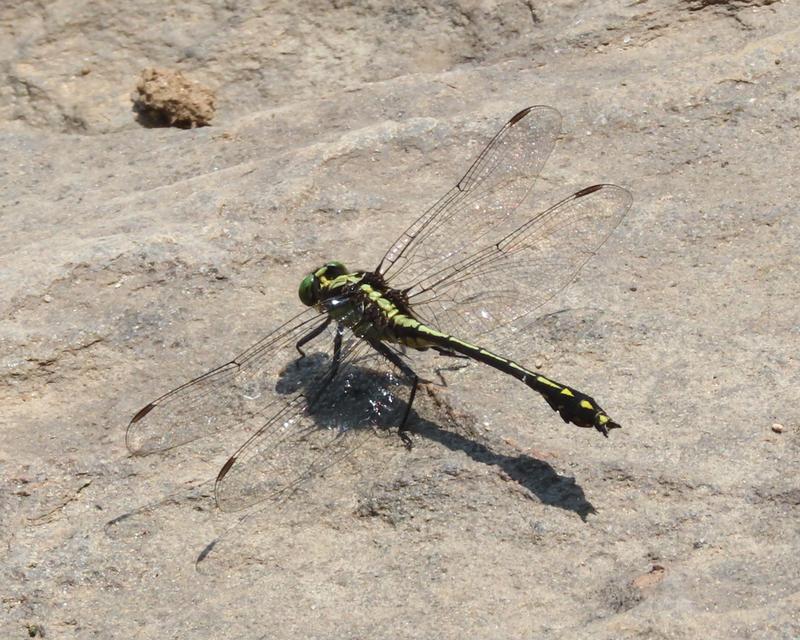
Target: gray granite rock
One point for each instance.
(132, 259)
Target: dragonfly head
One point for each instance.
(314, 283)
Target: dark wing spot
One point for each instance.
(588, 190)
(142, 413)
(516, 118)
(225, 468)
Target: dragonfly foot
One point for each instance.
(407, 441)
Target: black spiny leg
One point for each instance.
(335, 361)
(311, 335)
(337, 351)
(450, 354)
(392, 357)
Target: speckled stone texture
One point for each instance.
(134, 258)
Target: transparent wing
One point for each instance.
(483, 206)
(308, 412)
(323, 424)
(486, 295)
(239, 390)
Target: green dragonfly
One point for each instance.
(475, 264)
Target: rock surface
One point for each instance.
(134, 258)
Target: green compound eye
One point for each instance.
(307, 291)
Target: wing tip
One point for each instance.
(611, 190)
(135, 447)
(587, 190)
(543, 111)
(519, 116)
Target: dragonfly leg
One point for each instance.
(407, 371)
(450, 354)
(310, 336)
(337, 351)
(335, 361)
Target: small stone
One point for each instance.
(777, 427)
(167, 98)
(452, 469)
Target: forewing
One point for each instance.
(239, 390)
(483, 206)
(486, 296)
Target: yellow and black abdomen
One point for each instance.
(572, 405)
(377, 313)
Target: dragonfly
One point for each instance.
(460, 282)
